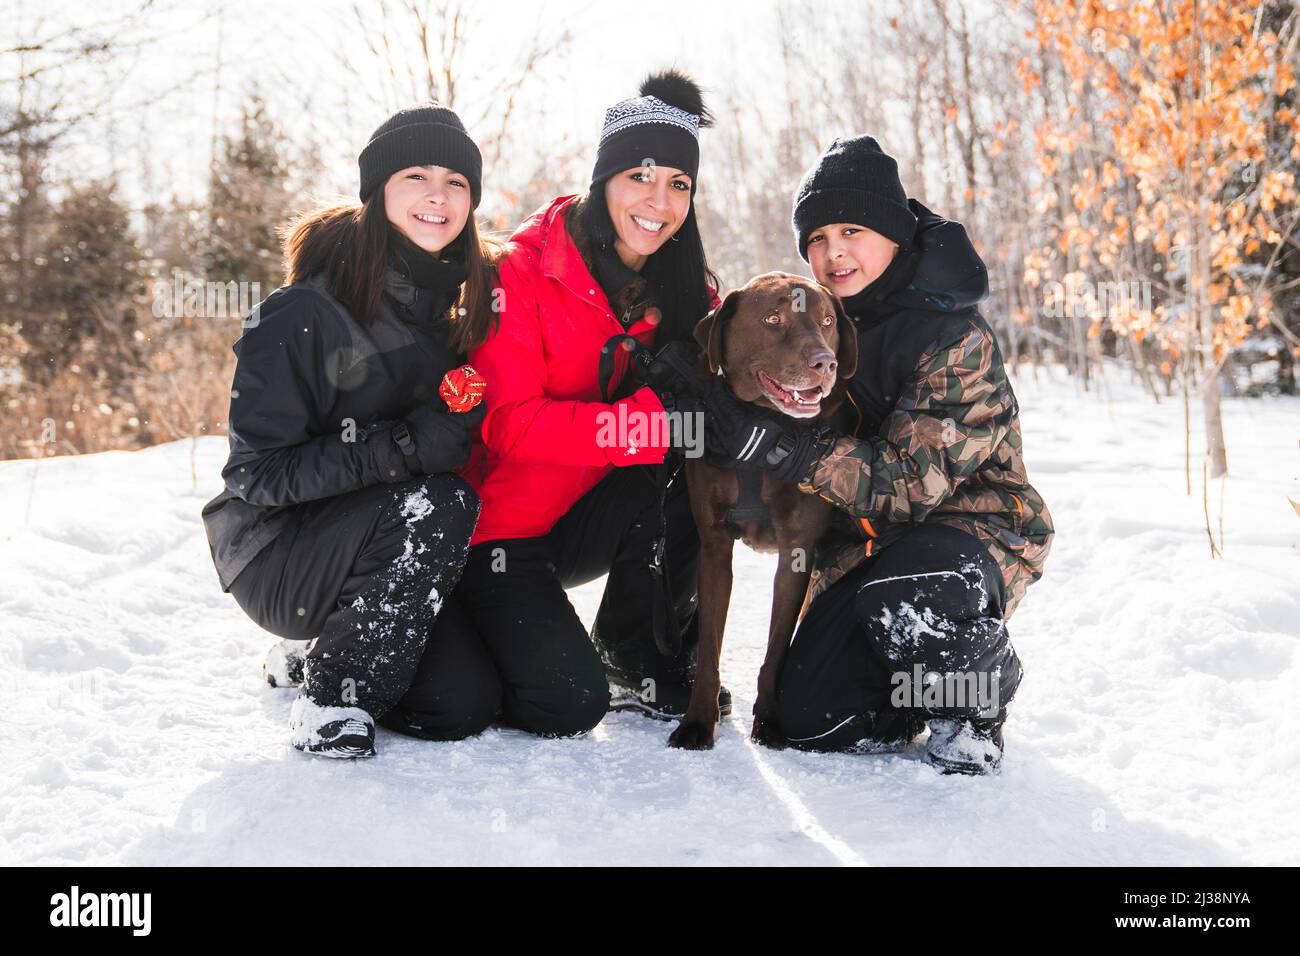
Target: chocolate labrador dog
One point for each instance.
(785, 344)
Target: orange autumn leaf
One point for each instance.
(1174, 139)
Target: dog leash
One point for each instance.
(663, 613)
(608, 365)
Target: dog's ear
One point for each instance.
(846, 352)
(708, 331)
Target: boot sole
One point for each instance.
(630, 701)
(344, 752)
(964, 769)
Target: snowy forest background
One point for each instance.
(1127, 169)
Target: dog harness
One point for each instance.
(749, 504)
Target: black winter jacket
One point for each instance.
(939, 432)
(313, 404)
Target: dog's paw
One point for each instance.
(765, 732)
(692, 735)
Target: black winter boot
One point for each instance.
(666, 702)
(341, 732)
(643, 680)
(972, 747)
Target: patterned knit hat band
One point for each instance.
(646, 109)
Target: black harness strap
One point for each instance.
(749, 504)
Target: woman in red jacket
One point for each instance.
(572, 480)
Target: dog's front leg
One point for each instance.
(696, 730)
(788, 592)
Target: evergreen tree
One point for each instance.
(249, 201)
(87, 290)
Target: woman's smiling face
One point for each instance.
(429, 204)
(846, 258)
(646, 205)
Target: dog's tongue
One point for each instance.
(800, 400)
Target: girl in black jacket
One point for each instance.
(341, 520)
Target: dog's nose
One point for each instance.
(823, 360)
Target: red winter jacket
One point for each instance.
(543, 399)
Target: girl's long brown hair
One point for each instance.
(350, 244)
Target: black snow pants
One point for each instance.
(511, 645)
(366, 574)
(914, 632)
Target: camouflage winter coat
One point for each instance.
(938, 430)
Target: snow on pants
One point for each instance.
(510, 643)
(366, 574)
(929, 604)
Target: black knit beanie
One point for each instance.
(429, 135)
(856, 181)
(661, 126)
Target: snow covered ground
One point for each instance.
(1157, 723)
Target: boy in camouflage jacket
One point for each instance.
(937, 531)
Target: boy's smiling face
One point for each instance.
(846, 258)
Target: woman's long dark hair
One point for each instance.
(350, 244)
(678, 273)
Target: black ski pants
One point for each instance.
(510, 647)
(366, 574)
(930, 603)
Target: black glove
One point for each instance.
(673, 374)
(737, 433)
(673, 369)
(685, 422)
(434, 440)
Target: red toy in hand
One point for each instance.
(462, 388)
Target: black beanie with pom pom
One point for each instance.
(659, 127)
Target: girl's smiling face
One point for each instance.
(846, 258)
(429, 204)
(646, 205)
